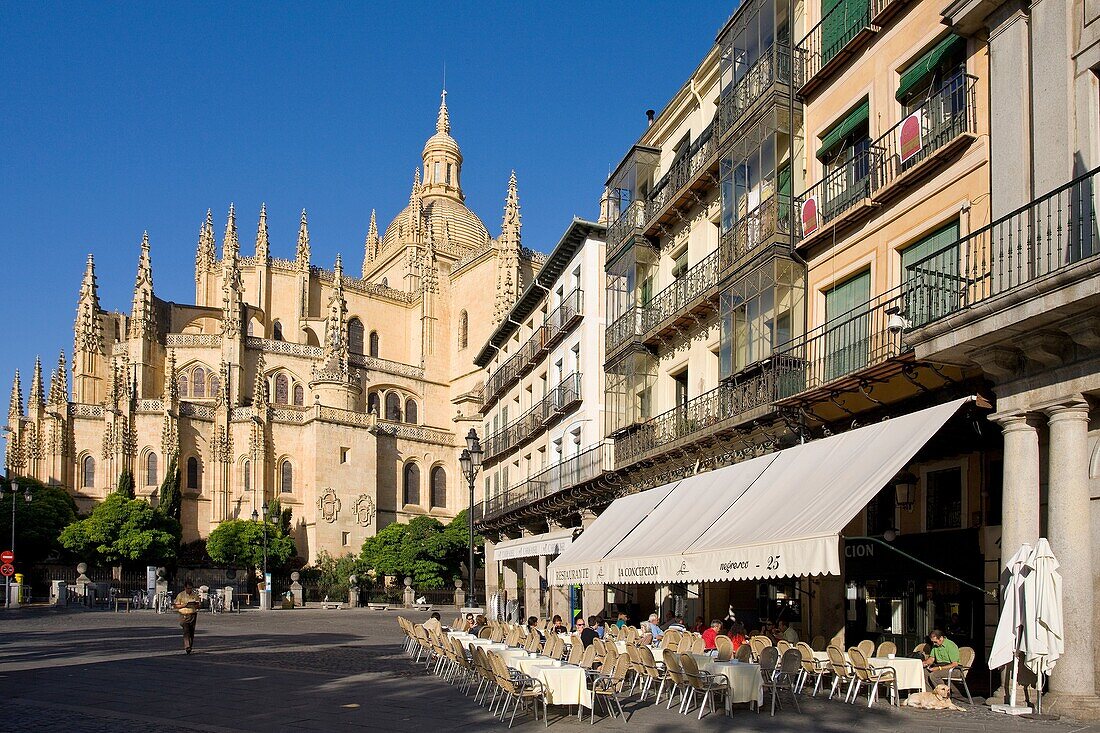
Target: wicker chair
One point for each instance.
(758, 644)
(698, 681)
(872, 676)
(698, 646)
(724, 645)
(867, 647)
(651, 673)
(842, 672)
(606, 688)
(957, 674)
(534, 641)
(885, 649)
(670, 640)
(811, 667)
(588, 656)
(576, 652)
(674, 676)
(686, 641)
(744, 653)
(601, 646)
(769, 664)
(519, 690)
(818, 643)
(782, 645)
(487, 633)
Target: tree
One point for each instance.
(171, 498)
(125, 485)
(280, 516)
(38, 522)
(240, 542)
(123, 531)
(331, 574)
(424, 548)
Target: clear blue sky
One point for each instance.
(121, 117)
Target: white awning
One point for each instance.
(779, 515)
(549, 543)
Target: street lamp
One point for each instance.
(470, 461)
(267, 589)
(27, 497)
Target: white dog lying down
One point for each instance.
(937, 699)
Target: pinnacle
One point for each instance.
(443, 120)
(263, 244)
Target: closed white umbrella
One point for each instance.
(1043, 640)
(1006, 642)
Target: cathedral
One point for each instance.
(344, 395)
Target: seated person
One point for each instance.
(433, 623)
(787, 632)
(532, 626)
(737, 635)
(944, 658)
(651, 630)
(698, 627)
(480, 624)
(467, 623)
(622, 620)
(676, 624)
(587, 631)
(557, 626)
(710, 634)
(600, 627)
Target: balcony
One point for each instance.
(755, 233)
(771, 70)
(847, 350)
(682, 183)
(830, 43)
(586, 466)
(625, 329)
(688, 298)
(557, 402)
(944, 124)
(1047, 245)
(709, 415)
(883, 10)
(506, 374)
(842, 197)
(564, 317)
(628, 226)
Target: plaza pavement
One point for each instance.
(309, 670)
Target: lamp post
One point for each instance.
(27, 497)
(470, 461)
(267, 589)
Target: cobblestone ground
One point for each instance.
(318, 670)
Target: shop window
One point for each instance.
(943, 499)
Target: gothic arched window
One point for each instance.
(374, 344)
(246, 471)
(373, 404)
(356, 332)
(393, 407)
(439, 487)
(199, 383)
(151, 470)
(299, 395)
(215, 385)
(410, 410)
(282, 389)
(181, 384)
(88, 471)
(463, 329)
(277, 331)
(286, 478)
(411, 484)
(193, 473)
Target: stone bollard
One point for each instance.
(162, 581)
(410, 594)
(296, 591)
(59, 593)
(460, 594)
(227, 596)
(82, 581)
(353, 591)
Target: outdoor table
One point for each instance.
(910, 672)
(620, 647)
(486, 644)
(746, 684)
(564, 685)
(528, 665)
(511, 656)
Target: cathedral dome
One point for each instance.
(448, 221)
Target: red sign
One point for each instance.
(909, 136)
(7, 570)
(809, 216)
(7, 557)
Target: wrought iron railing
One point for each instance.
(628, 225)
(588, 465)
(773, 67)
(949, 112)
(880, 7)
(723, 404)
(568, 312)
(556, 402)
(1052, 233)
(839, 27)
(505, 374)
(625, 328)
(682, 295)
(753, 232)
(841, 190)
(682, 173)
(865, 336)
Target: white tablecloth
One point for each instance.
(910, 671)
(620, 647)
(564, 685)
(486, 644)
(745, 682)
(511, 656)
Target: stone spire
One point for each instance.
(508, 247)
(15, 405)
(416, 209)
(88, 331)
(59, 383)
(170, 393)
(143, 323)
(205, 256)
(443, 119)
(302, 256)
(336, 341)
(259, 385)
(231, 246)
(372, 246)
(263, 244)
(37, 399)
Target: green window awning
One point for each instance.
(854, 119)
(926, 64)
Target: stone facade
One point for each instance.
(341, 395)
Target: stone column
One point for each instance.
(1009, 95)
(1020, 503)
(1070, 533)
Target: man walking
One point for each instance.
(187, 603)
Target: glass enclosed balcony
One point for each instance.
(760, 311)
(628, 190)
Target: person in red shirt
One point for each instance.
(736, 634)
(710, 634)
(698, 627)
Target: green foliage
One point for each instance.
(331, 574)
(279, 516)
(37, 523)
(123, 531)
(432, 553)
(171, 498)
(125, 485)
(193, 554)
(240, 543)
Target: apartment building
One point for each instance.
(542, 407)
